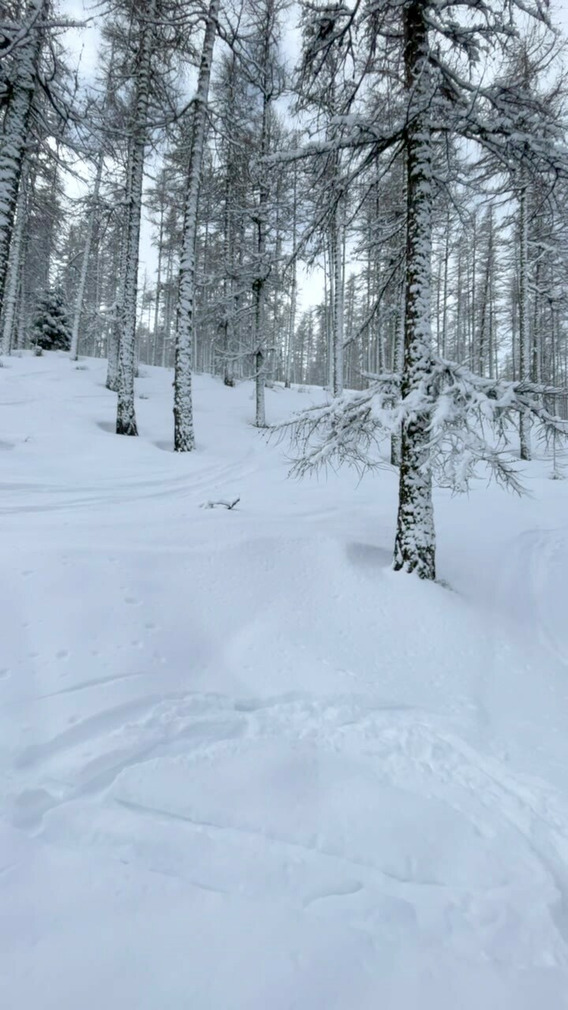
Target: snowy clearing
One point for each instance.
(244, 764)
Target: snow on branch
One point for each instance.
(348, 429)
(471, 421)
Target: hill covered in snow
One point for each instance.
(243, 764)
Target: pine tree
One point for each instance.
(51, 328)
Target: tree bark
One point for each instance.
(337, 249)
(398, 358)
(15, 129)
(415, 537)
(125, 413)
(74, 350)
(184, 438)
(156, 329)
(524, 336)
(10, 303)
(289, 370)
(259, 283)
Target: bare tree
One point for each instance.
(25, 42)
(184, 439)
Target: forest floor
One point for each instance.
(244, 765)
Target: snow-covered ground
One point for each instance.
(243, 765)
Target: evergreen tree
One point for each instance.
(51, 328)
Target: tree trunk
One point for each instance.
(337, 249)
(289, 376)
(264, 193)
(484, 341)
(74, 351)
(184, 439)
(444, 341)
(125, 413)
(15, 129)
(415, 537)
(158, 288)
(290, 348)
(14, 271)
(259, 371)
(113, 332)
(524, 337)
(398, 358)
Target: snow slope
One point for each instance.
(242, 763)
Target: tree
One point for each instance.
(323, 87)
(91, 226)
(51, 328)
(415, 537)
(144, 17)
(184, 439)
(442, 93)
(265, 73)
(20, 83)
(10, 303)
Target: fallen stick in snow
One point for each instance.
(226, 504)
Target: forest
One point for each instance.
(283, 508)
(369, 198)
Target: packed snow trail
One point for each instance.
(243, 764)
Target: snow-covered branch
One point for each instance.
(471, 421)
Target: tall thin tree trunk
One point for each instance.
(536, 336)
(228, 276)
(415, 537)
(184, 438)
(15, 128)
(112, 351)
(484, 341)
(113, 328)
(445, 295)
(289, 375)
(125, 413)
(398, 358)
(259, 284)
(472, 314)
(329, 302)
(338, 297)
(14, 270)
(158, 288)
(524, 336)
(74, 351)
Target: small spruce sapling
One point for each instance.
(51, 330)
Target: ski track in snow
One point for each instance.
(374, 787)
(407, 747)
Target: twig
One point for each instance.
(226, 504)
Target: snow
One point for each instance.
(243, 763)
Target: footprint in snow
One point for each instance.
(30, 806)
(344, 889)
